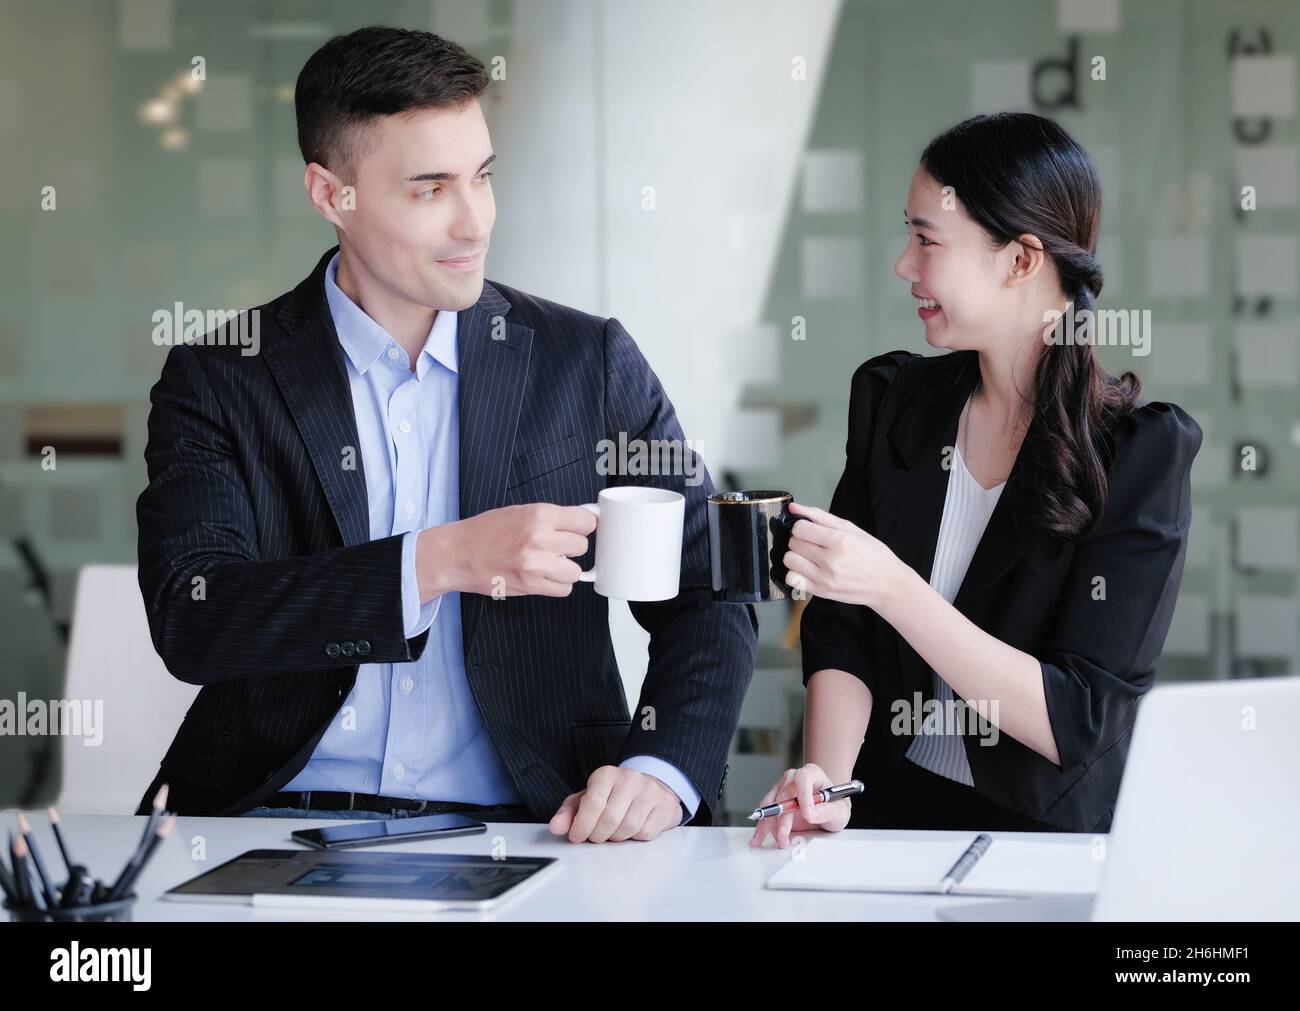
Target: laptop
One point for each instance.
(1207, 822)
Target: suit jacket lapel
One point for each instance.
(493, 357)
(1006, 539)
(922, 440)
(307, 363)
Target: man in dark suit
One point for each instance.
(362, 540)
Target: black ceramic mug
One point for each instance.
(749, 534)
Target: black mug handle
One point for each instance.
(782, 524)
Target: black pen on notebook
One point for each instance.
(965, 862)
(830, 793)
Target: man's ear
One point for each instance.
(328, 194)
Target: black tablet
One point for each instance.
(323, 879)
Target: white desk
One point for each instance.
(685, 874)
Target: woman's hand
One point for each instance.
(801, 783)
(831, 557)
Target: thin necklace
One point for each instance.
(965, 447)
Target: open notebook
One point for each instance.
(1007, 868)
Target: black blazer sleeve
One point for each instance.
(701, 654)
(1118, 597)
(834, 635)
(217, 613)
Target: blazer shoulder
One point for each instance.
(543, 314)
(905, 376)
(1156, 436)
(233, 347)
(1153, 447)
(881, 370)
(876, 375)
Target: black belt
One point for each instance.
(333, 800)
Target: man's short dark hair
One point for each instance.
(378, 71)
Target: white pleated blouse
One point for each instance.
(966, 511)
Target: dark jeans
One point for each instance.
(913, 797)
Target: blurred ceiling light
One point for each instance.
(174, 139)
(188, 82)
(158, 110)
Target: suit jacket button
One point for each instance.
(363, 647)
(348, 647)
(332, 650)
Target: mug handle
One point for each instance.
(589, 575)
(786, 521)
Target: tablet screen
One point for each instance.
(446, 877)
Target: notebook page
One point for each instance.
(873, 865)
(1016, 867)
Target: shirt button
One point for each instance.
(409, 508)
(404, 426)
(408, 683)
(394, 354)
(399, 771)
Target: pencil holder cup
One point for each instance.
(117, 911)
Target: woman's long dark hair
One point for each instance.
(1018, 173)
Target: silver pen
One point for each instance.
(965, 862)
(849, 789)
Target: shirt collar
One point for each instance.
(364, 340)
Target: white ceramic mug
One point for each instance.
(638, 543)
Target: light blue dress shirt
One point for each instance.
(413, 729)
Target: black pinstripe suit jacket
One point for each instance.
(255, 557)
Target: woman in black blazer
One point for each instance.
(1007, 703)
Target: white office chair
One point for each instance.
(111, 659)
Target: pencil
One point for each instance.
(22, 875)
(21, 886)
(26, 829)
(159, 806)
(7, 884)
(132, 870)
(53, 815)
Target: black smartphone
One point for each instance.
(380, 831)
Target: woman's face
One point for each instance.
(959, 280)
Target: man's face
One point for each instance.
(424, 206)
